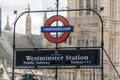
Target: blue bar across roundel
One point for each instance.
(57, 29)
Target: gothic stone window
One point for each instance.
(95, 2)
(83, 39)
(81, 6)
(95, 5)
(94, 41)
(87, 4)
(70, 40)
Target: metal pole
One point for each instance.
(15, 12)
(57, 5)
(102, 45)
(93, 72)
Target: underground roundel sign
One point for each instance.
(47, 29)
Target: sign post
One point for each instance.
(55, 40)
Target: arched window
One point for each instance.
(65, 41)
(88, 6)
(70, 40)
(95, 4)
(94, 41)
(112, 8)
(111, 48)
(83, 39)
(81, 4)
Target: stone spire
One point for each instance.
(7, 27)
(28, 22)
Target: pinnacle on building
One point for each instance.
(7, 27)
(28, 22)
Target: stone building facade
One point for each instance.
(87, 33)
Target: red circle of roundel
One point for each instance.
(64, 36)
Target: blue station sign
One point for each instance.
(57, 29)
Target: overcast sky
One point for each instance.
(8, 7)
